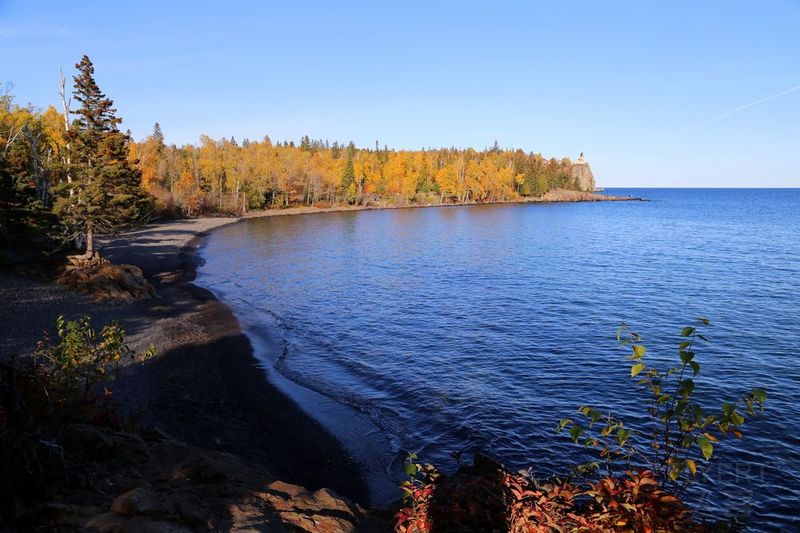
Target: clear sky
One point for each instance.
(655, 93)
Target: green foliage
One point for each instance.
(46, 399)
(82, 357)
(21, 213)
(102, 191)
(679, 433)
(349, 175)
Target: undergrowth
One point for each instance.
(65, 383)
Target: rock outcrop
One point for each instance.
(582, 173)
(150, 482)
(567, 195)
(105, 281)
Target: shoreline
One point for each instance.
(206, 387)
(556, 196)
(325, 411)
(253, 418)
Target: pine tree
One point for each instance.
(105, 192)
(158, 136)
(349, 173)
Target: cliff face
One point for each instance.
(582, 173)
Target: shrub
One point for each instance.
(82, 357)
(481, 499)
(679, 434)
(41, 396)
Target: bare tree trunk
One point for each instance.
(38, 170)
(65, 158)
(89, 241)
(10, 138)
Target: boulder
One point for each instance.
(318, 511)
(141, 501)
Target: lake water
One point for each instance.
(461, 328)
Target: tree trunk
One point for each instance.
(66, 158)
(89, 241)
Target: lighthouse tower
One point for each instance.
(582, 173)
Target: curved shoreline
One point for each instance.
(330, 460)
(206, 387)
(340, 420)
(220, 382)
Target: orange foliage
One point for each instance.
(251, 175)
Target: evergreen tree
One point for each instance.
(105, 192)
(158, 138)
(22, 215)
(349, 172)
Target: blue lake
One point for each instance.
(479, 327)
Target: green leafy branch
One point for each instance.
(83, 357)
(679, 433)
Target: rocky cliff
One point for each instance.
(582, 173)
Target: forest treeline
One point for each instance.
(72, 165)
(229, 176)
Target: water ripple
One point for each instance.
(481, 327)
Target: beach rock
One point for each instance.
(321, 510)
(287, 490)
(193, 515)
(142, 501)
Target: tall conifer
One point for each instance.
(105, 192)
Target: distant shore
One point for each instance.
(551, 197)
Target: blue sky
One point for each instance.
(655, 93)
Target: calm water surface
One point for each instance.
(480, 327)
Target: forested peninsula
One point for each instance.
(234, 177)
